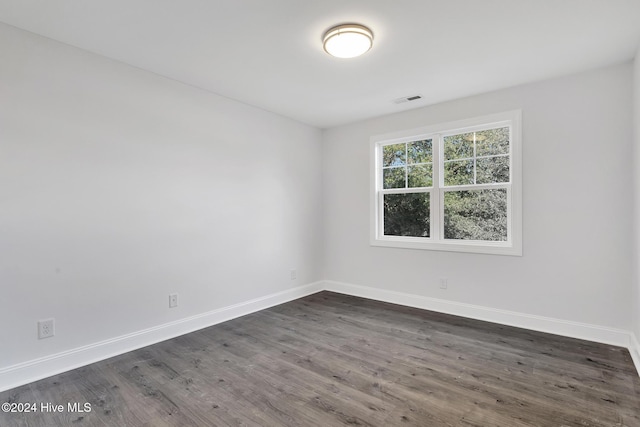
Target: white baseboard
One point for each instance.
(634, 349)
(33, 370)
(550, 325)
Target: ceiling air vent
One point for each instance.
(407, 99)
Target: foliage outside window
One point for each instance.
(454, 187)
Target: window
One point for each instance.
(452, 187)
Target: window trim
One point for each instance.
(512, 247)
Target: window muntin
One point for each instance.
(407, 165)
(450, 187)
(480, 157)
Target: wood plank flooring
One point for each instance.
(334, 360)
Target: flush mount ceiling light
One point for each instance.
(347, 41)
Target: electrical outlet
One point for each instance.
(444, 283)
(294, 274)
(46, 328)
(173, 300)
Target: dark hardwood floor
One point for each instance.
(333, 360)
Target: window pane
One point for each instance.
(492, 141)
(476, 215)
(492, 169)
(458, 173)
(394, 178)
(406, 214)
(394, 155)
(419, 151)
(420, 176)
(458, 146)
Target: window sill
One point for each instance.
(491, 248)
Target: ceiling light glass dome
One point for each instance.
(347, 41)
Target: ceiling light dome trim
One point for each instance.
(347, 40)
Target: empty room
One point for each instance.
(297, 213)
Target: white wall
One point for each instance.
(118, 187)
(577, 204)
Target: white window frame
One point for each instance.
(513, 244)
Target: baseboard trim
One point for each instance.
(634, 350)
(37, 369)
(550, 325)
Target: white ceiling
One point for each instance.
(268, 53)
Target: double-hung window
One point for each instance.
(452, 187)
